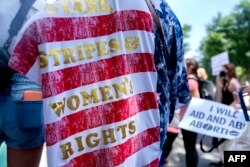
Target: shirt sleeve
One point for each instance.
(182, 85)
(177, 73)
(235, 85)
(24, 55)
(183, 91)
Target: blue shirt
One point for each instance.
(172, 83)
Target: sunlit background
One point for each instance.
(215, 26)
(197, 14)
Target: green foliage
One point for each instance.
(230, 33)
(186, 30)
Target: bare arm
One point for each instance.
(234, 87)
(219, 87)
(193, 87)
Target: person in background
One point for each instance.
(207, 88)
(247, 90)
(23, 136)
(172, 132)
(227, 85)
(189, 137)
(201, 72)
(246, 94)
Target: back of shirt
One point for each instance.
(95, 61)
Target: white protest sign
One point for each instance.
(213, 119)
(218, 61)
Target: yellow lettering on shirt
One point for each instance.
(65, 5)
(92, 6)
(93, 140)
(86, 52)
(67, 150)
(79, 7)
(104, 6)
(94, 96)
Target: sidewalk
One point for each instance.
(177, 155)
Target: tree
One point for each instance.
(186, 30)
(230, 33)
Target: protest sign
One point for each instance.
(218, 61)
(213, 119)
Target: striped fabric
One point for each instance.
(95, 61)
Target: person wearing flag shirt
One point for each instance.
(97, 62)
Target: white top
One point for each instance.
(8, 10)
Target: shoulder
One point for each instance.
(192, 78)
(193, 82)
(234, 83)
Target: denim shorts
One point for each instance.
(21, 122)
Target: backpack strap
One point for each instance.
(15, 26)
(243, 105)
(153, 12)
(18, 21)
(158, 24)
(213, 147)
(194, 78)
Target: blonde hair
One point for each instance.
(201, 72)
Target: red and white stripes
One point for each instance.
(99, 84)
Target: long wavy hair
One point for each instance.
(231, 73)
(192, 66)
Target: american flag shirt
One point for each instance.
(95, 62)
(172, 82)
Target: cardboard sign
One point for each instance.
(213, 119)
(218, 61)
